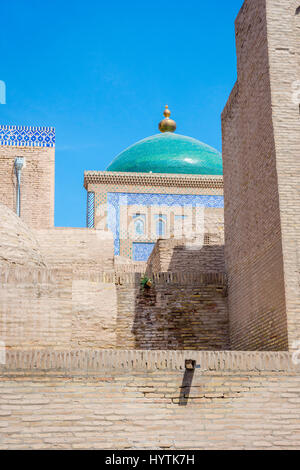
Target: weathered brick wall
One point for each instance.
(64, 307)
(37, 183)
(79, 248)
(57, 308)
(127, 265)
(181, 256)
(94, 311)
(253, 218)
(18, 245)
(144, 399)
(180, 311)
(283, 22)
(35, 308)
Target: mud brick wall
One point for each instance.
(180, 256)
(57, 308)
(259, 135)
(146, 400)
(283, 22)
(77, 248)
(35, 308)
(178, 312)
(37, 183)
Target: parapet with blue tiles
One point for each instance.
(27, 136)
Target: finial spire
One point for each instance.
(167, 124)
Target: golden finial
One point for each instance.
(167, 124)
(167, 112)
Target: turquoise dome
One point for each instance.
(169, 153)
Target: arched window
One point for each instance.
(139, 227)
(160, 227)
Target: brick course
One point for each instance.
(144, 400)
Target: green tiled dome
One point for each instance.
(169, 153)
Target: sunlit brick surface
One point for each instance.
(261, 148)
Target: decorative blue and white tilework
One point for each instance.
(27, 136)
(90, 209)
(160, 221)
(141, 251)
(115, 200)
(139, 224)
(144, 199)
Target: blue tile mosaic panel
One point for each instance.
(90, 209)
(27, 136)
(141, 251)
(116, 200)
(145, 199)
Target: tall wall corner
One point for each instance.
(261, 146)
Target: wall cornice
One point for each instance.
(70, 362)
(152, 179)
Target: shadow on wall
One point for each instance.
(187, 380)
(185, 310)
(181, 312)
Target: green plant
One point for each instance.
(146, 282)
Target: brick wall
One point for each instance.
(253, 216)
(180, 256)
(284, 61)
(37, 183)
(144, 399)
(78, 248)
(57, 308)
(180, 311)
(18, 245)
(63, 308)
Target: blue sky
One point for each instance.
(101, 72)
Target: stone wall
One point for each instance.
(146, 400)
(259, 191)
(180, 311)
(37, 183)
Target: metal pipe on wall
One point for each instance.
(19, 163)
